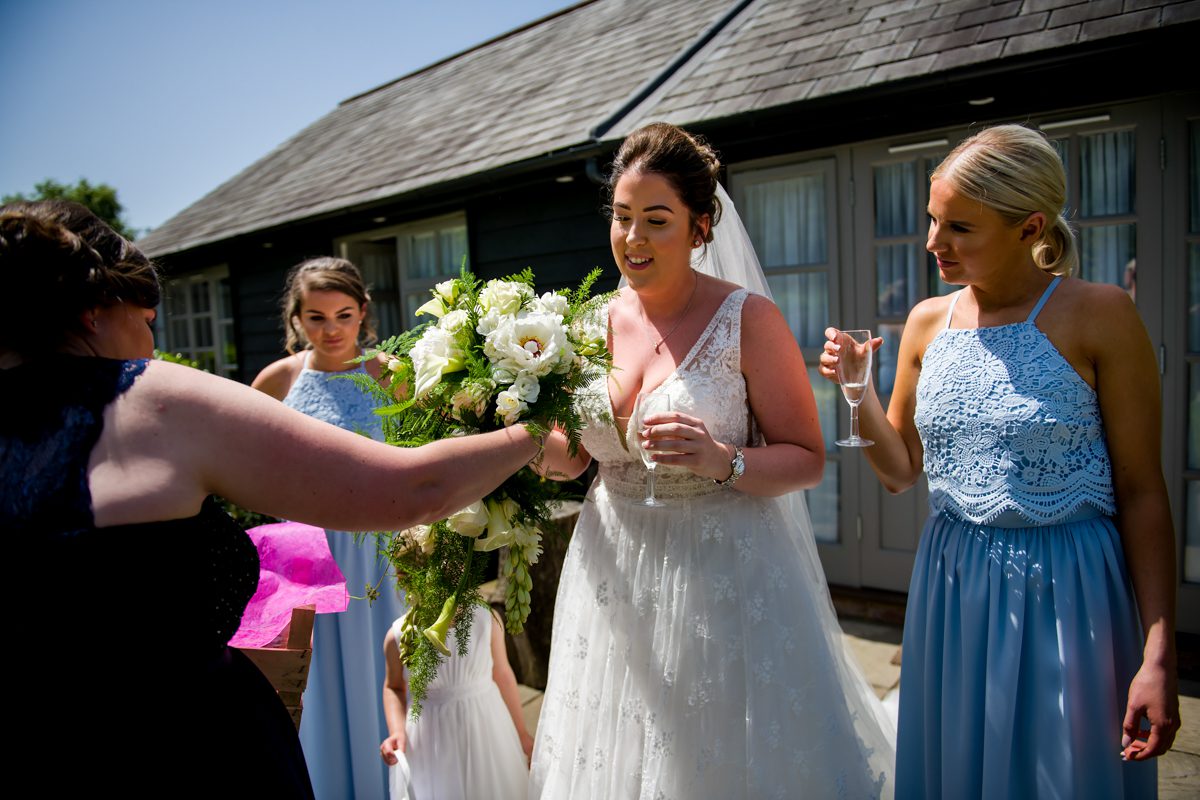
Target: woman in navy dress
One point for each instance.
(1039, 644)
(129, 580)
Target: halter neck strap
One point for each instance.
(1045, 296)
(953, 303)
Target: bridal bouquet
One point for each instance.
(496, 354)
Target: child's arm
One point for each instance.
(502, 674)
(395, 707)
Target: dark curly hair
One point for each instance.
(60, 253)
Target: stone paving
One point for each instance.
(876, 646)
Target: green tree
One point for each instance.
(101, 199)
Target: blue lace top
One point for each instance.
(1012, 433)
(332, 397)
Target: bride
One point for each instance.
(695, 650)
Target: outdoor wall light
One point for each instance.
(905, 148)
(981, 101)
(378, 220)
(1067, 123)
(564, 179)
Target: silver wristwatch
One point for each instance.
(738, 466)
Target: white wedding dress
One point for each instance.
(695, 650)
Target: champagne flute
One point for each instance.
(648, 403)
(854, 376)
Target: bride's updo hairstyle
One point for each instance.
(1014, 171)
(684, 160)
(58, 260)
(325, 274)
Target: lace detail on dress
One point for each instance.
(1009, 426)
(334, 398)
(708, 384)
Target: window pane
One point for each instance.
(896, 269)
(886, 357)
(786, 221)
(1194, 180)
(1193, 312)
(177, 335)
(454, 249)
(422, 255)
(1193, 458)
(1063, 148)
(225, 298)
(1106, 174)
(229, 349)
(827, 396)
(201, 332)
(896, 199)
(176, 300)
(823, 505)
(804, 300)
(1108, 253)
(200, 300)
(1191, 553)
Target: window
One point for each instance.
(198, 320)
(788, 213)
(402, 264)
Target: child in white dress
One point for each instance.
(470, 740)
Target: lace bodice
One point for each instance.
(1011, 431)
(708, 384)
(334, 398)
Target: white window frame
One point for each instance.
(211, 357)
(402, 236)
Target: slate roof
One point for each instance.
(778, 52)
(535, 90)
(580, 75)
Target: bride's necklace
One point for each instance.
(646, 322)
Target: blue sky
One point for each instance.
(167, 99)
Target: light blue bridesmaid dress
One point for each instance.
(343, 721)
(1022, 633)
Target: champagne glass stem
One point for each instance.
(651, 474)
(854, 422)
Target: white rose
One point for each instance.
(535, 343)
(470, 521)
(488, 322)
(551, 303)
(526, 387)
(509, 407)
(453, 321)
(421, 536)
(504, 296)
(435, 354)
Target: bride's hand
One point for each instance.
(829, 357)
(682, 440)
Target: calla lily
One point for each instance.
(435, 307)
(501, 528)
(438, 631)
(470, 521)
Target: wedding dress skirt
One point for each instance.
(695, 649)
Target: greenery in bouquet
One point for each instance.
(496, 354)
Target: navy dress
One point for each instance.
(121, 676)
(1022, 634)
